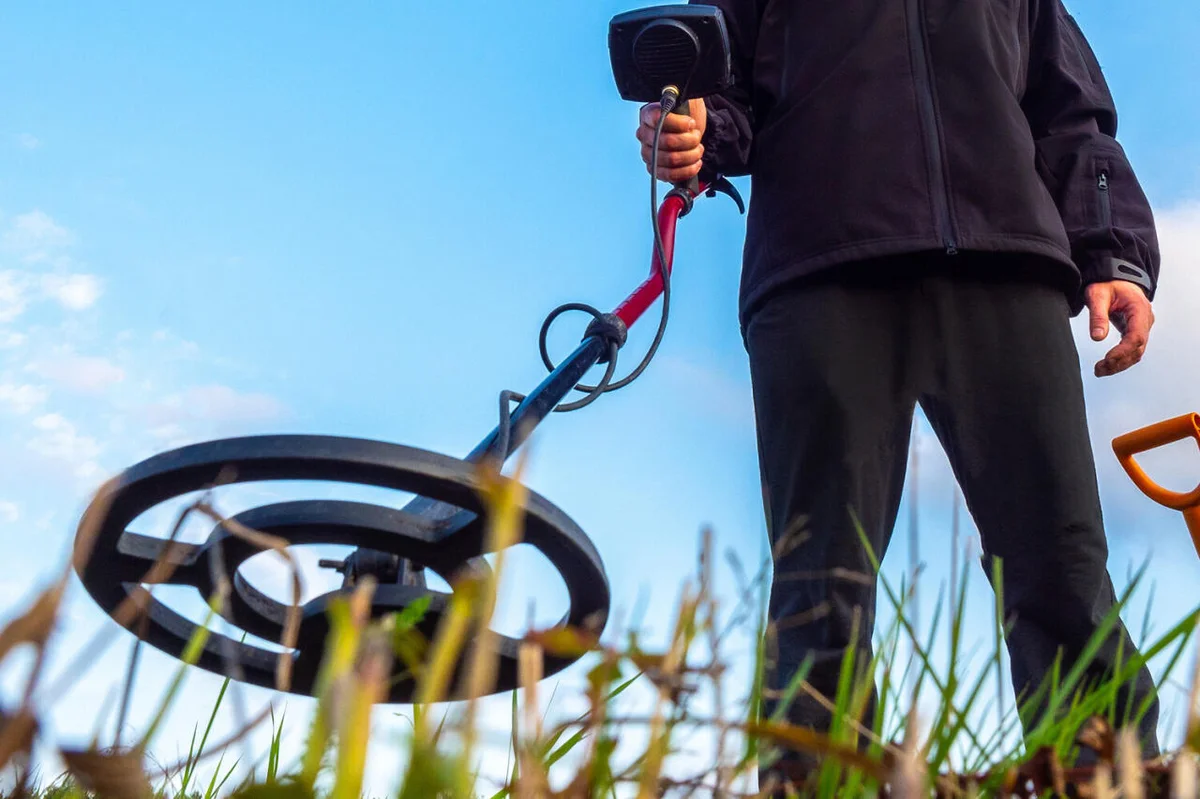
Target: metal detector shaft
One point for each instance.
(540, 402)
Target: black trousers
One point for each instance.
(839, 365)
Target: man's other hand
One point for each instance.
(679, 148)
(1126, 306)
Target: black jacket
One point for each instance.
(879, 127)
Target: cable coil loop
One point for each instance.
(607, 325)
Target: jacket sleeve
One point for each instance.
(729, 135)
(1071, 112)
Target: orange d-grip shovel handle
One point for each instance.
(1152, 437)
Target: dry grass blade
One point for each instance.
(532, 780)
(1097, 734)
(278, 545)
(367, 686)
(35, 625)
(110, 775)
(16, 735)
(1129, 766)
(234, 738)
(868, 734)
(908, 779)
(530, 666)
(667, 677)
(336, 679)
(91, 523)
(804, 740)
(1102, 785)
(1183, 776)
(135, 603)
(505, 500)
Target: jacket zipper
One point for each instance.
(1105, 200)
(923, 76)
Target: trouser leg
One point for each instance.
(834, 399)
(1008, 406)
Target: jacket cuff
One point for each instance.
(1106, 268)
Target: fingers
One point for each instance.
(678, 174)
(680, 153)
(1099, 300)
(675, 123)
(673, 159)
(1137, 321)
(668, 142)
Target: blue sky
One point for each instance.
(232, 218)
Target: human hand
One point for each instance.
(1129, 310)
(679, 148)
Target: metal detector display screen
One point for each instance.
(686, 46)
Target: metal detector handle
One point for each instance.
(693, 185)
(1153, 437)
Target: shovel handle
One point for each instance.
(1158, 435)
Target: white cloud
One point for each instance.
(83, 373)
(9, 511)
(215, 403)
(184, 347)
(35, 236)
(224, 404)
(11, 340)
(1166, 384)
(57, 439)
(1166, 381)
(28, 141)
(73, 292)
(12, 295)
(171, 434)
(715, 390)
(22, 398)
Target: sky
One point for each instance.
(226, 219)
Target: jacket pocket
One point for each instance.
(1103, 197)
(1104, 210)
(1095, 190)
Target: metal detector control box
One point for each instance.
(685, 46)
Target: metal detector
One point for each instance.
(676, 51)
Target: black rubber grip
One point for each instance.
(692, 185)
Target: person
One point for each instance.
(936, 191)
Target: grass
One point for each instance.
(971, 744)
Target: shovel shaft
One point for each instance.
(1192, 516)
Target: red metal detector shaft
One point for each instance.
(644, 295)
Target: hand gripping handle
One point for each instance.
(692, 185)
(1153, 437)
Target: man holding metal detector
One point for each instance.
(937, 191)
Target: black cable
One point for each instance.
(504, 434)
(667, 105)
